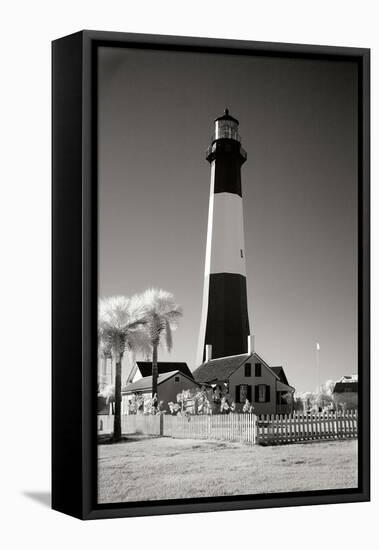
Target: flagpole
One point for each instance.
(318, 366)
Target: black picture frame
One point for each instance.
(74, 273)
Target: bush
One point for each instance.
(207, 401)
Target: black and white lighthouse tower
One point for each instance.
(224, 328)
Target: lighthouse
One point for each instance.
(224, 328)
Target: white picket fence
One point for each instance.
(231, 427)
(131, 424)
(297, 427)
(244, 428)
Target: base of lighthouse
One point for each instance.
(227, 325)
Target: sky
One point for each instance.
(298, 124)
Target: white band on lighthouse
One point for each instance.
(225, 251)
(228, 244)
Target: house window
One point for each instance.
(247, 369)
(262, 393)
(258, 369)
(243, 392)
(177, 379)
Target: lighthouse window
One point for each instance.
(241, 253)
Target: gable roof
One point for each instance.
(223, 367)
(163, 367)
(279, 371)
(146, 384)
(348, 378)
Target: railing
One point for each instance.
(244, 428)
(212, 148)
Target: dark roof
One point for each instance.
(227, 116)
(146, 383)
(223, 368)
(279, 371)
(341, 387)
(219, 369)
(145, 368)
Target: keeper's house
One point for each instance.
(248, 376)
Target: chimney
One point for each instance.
(250, 344)
(208, 352)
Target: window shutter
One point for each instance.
(237, 394)
(256, 393)
(249, 393)
(267, 393)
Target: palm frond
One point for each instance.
(160, 314)
(118, 317)
(138, 323)
(139, 342)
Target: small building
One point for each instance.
(345, 393)
(170, 384)
(248, 376)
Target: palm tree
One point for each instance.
(161, 315)
(119, 319)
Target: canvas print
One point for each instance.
(227, 266)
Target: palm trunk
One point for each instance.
(154, 372)
(117, 403)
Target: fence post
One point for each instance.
(161, 425)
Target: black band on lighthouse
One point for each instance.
(229, 157)
(227, 326)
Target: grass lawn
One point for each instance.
(165, 468)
